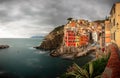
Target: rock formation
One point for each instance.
(53, 39)
(4, 46)
(70, 52)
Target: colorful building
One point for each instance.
(84, 40)
(69, 33)
(75, 34)
(70, 38)
(115, 23)
(107, 32)
(77, 41)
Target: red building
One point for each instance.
(72, 35)
(70, 38)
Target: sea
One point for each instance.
(21, 60)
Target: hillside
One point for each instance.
(53, 39)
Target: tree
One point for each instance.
(69, 19)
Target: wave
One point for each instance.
(40, 52)
(31, 48)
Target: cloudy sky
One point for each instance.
(26, 18)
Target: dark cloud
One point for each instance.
(1, 1)
(41, 16)
(7, 1)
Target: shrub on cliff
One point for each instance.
(92, 69)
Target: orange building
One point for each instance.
(75, 33)
(84, 40)
(107, 32)
(72, 24)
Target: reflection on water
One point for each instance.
(23, 61)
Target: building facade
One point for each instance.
(75, 33)
(115, 23)
(69, 34)
(107, 32)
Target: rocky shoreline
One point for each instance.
(71, 52)
(4, 46)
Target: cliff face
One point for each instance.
(53, 39)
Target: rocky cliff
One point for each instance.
(53, 39)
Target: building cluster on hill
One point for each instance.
(81, 32)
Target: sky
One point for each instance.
(26, 18)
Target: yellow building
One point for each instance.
(77, 41)
(115, 23)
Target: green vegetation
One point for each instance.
(92, 69)
(69, 19)
(99, 21)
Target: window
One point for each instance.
(114, 35)
(113, 22)
(113, 11)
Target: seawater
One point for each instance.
(21, 60)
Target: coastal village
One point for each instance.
(80, 32)
(79, 37)
(93, 44)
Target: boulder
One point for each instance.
(4, 46)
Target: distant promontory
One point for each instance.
(37, 37)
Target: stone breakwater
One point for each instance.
(70, 52)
